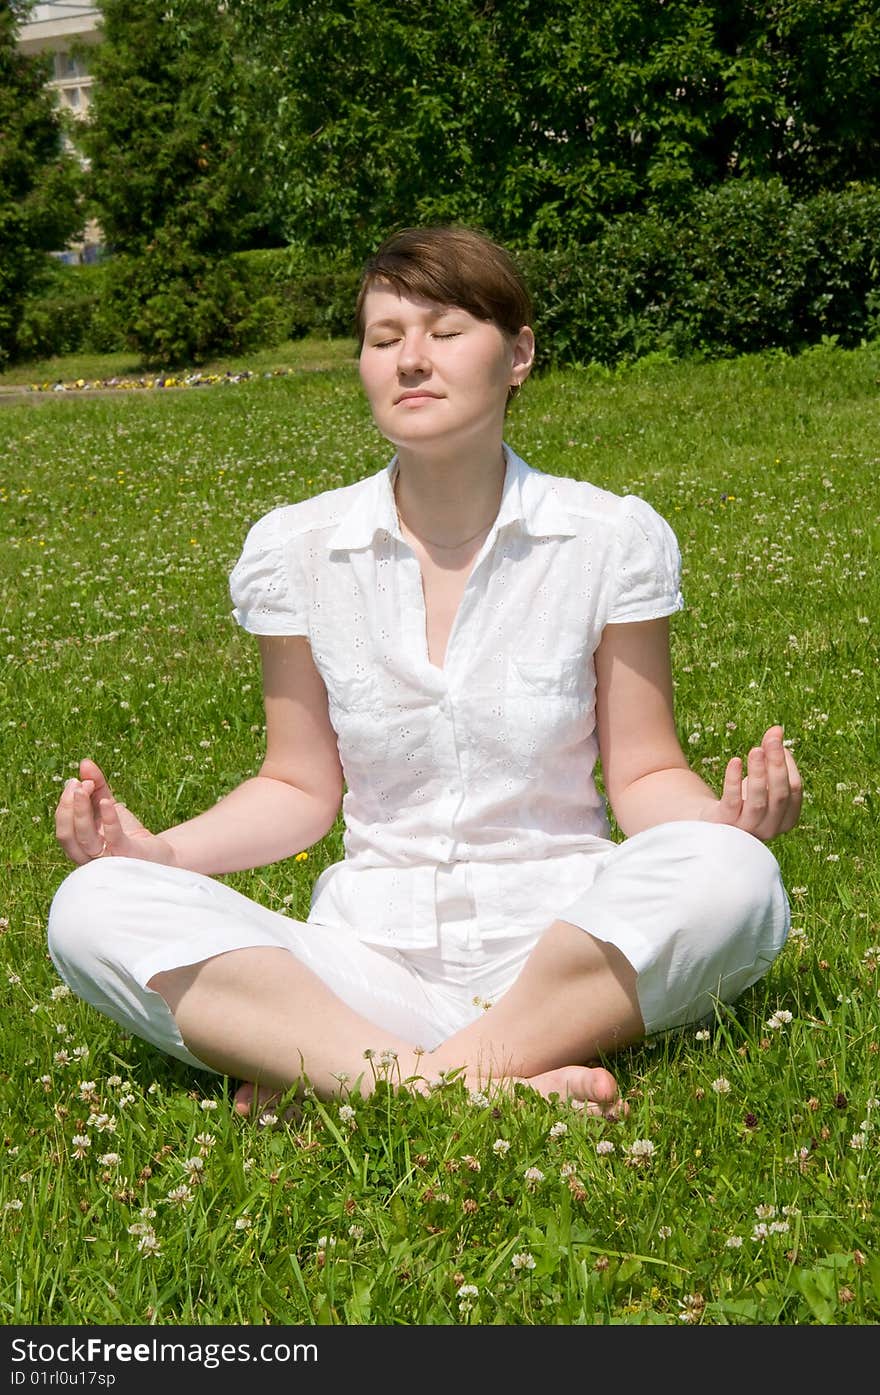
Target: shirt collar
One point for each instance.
(525, 500)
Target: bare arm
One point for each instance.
(647, 776)
(287, 807)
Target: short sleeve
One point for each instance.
(648, 565)
(265, 595)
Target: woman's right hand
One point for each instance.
(91, 823)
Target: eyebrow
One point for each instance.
(393, 322)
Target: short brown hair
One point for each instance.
(452, 266)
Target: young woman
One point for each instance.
(453, 642)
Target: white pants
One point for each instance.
(698, 910)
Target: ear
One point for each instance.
(523, 357)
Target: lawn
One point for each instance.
(742, 1188)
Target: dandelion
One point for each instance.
(500, 1147)
(533, 1176)
(81, 1142)
(559, 1130)
(604, 1147)
(721, 1086)
(521, 1261)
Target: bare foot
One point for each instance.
(595, 1086)
(255, 1101)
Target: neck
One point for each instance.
(448, 503)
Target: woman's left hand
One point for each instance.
(768, 800)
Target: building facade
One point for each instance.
(66, 31)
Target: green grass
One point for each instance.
(122, 516)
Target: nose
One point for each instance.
(413, 355)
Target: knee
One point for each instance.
(80, 927)
(739, 868)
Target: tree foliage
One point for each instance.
(542, 119)
(39, 181)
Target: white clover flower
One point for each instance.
(501, 1146)
(478, 1099)
(533, 1175)
(780, 1018)
(61, 1058)
(86, 1088)
(148, 1213)
(640, 1153)
(205, 1140)
(721, 1086)
(604, 1146)
(61, 990)
(114, 1080)
(149, 1245)
(702, 1035)
(108, 1159)
(206, 1105)
(104, 1123)
(778, 1227)
(179, 1196)
(14, 1205)
(81, 1142)
(559, 1130)
(193, 1165)
(523, 1260)
(664, 1231)
(858, 1140)
(266, 1120)
(734, 1242)
(761, 1231)
(356, 1232)
(347, 1114)
(243, 1223)
(325, 1242)
(81, 1052)
(766, 1211)
(468, 1291)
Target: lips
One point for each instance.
(417, 396)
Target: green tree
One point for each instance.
(171, 184)
(542, 119)
(39, 180)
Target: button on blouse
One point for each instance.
(490, 760)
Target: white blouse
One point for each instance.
(488, 761)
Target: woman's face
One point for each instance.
(434, 374)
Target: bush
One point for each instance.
(317, 295)
(742, 269)
(63, 314)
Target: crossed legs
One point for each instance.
(574, 1000)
